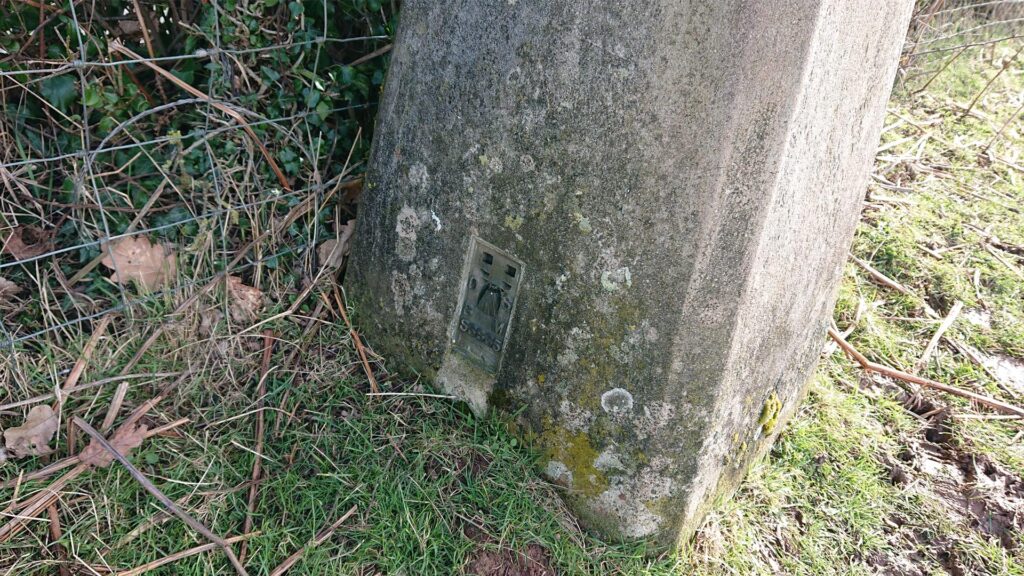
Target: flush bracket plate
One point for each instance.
(490, 288)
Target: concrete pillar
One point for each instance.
(627, 218)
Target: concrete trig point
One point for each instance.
(627, 217)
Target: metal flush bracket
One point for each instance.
(490, 288)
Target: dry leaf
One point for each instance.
(26, 242)
(33, 437)
(136, 259)
(208, 322)
(332, 252)
(8, 288)
(245, 301)
(124, 441)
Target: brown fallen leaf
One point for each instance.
(25, 242)
(136, 259)
(332, 253)
(8, 288)
(245, 301)
(124, 440)
(33, 437)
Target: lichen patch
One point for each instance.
(617, 401)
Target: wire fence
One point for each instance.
(943, 31)
(150, 149)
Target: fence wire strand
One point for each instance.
(214, 189)
(82, 174)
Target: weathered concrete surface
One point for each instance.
(679, 180)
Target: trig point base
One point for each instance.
(626, 218)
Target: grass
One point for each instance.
(863, 479)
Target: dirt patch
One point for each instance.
(535, 561)
(970, 486)
(488, 561)
(1009, 370)
(973, 490)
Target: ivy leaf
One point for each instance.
(93, 96)
(323, 109)
(312, 98)
(59, 91)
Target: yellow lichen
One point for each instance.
(513, 222)
(770, 413)
(573, 449)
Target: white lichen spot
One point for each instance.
(568, 356)
(526, 161)
(416, 281)
(418, 176)
(558, 472)
(608, 460)
(437, 221)
(656, 416)
(617, 401)
(583, 223)
(560, 281)
(635, 519)
(408, 222)
(613, 280)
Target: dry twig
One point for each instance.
(901, 375)
(118, 47)
(183, 554)
(167, 502)
(930, 348)
(261, 392)
(317, 540)
(360, 349)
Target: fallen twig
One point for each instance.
(76, 371)
(882, 278)
(97, 383)
(946, 323)
(167, 502)
(317, 540)
(55, 535)
(1009, 266)
(183, 554)
(70, 461)
(30, 507)
(360, 349)
(901, 375)
(890, 283)
(261, 392)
